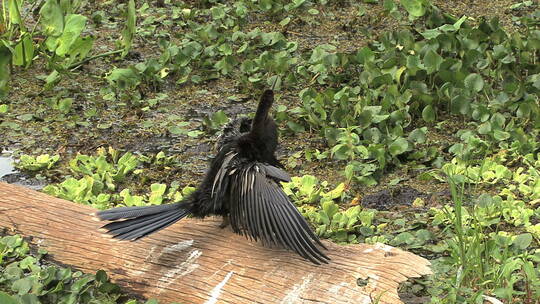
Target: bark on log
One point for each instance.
(194, 261)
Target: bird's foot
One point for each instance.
(225, 222)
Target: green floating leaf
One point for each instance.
(431, 33)
(428, 114)
(219, 118)
(14, 9)
(432, 61)
(285, 21)
(101, 276)
(52, 19)
(399, 146)
(365, 55)
(7, 299)
(75, 24)
(23, 286)
(24, 52)
(501, 135)
(415, 8)
(484, 128)
(330, 208)
(474, 82)
(64, 105)
(297, 128)
(418, 135)
(124, 78)
(522, 241)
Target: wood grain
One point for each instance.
(194, 261)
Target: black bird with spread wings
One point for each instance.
(243, 186)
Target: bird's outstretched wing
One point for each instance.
(261, 210)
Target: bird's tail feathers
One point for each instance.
(132, 223)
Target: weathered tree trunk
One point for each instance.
(194, 261)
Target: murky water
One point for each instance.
(6, 165)
(10, 175)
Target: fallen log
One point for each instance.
(194, 261)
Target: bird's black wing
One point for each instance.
(261, 210)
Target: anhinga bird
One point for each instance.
(243, 186)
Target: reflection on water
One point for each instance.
(6, 165)
(8, 174)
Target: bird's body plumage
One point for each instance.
(243, 184)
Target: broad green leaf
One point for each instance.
(156, 196)
(397, 75)
(428, 114)
(274, 81)
(523, 241)
(458, 23)
(431, 33)
(432, 61)
(337, 192)
(219, 118)
(501, 135)
(365, 55)
(64, 105)
(474, 82)
(365, 119)
(80, 48)
(297, 128)
(74, 26)
(418, 135)
(414, 64)
(498, 121)
(403, 238)
(52, 19)
(24, 51)
(78, 285)
(52, 79)
(23, 286)
(330, 208)
(341, 152)
(285, 21)
(484, 128)
(218, 12)
(461, 105)
(399, 146)
(27, 262)
(124, 78)
(308, 184)
(176, 130)
(14, 9)
(7, 299)
(414, 7)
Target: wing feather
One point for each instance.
(301, 221)
(291, 233)
(260, 210)
(252, 197)
(277, 173)
(304, 237)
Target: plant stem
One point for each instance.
(76, 65)
(457, 198)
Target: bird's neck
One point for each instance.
(261, 118)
